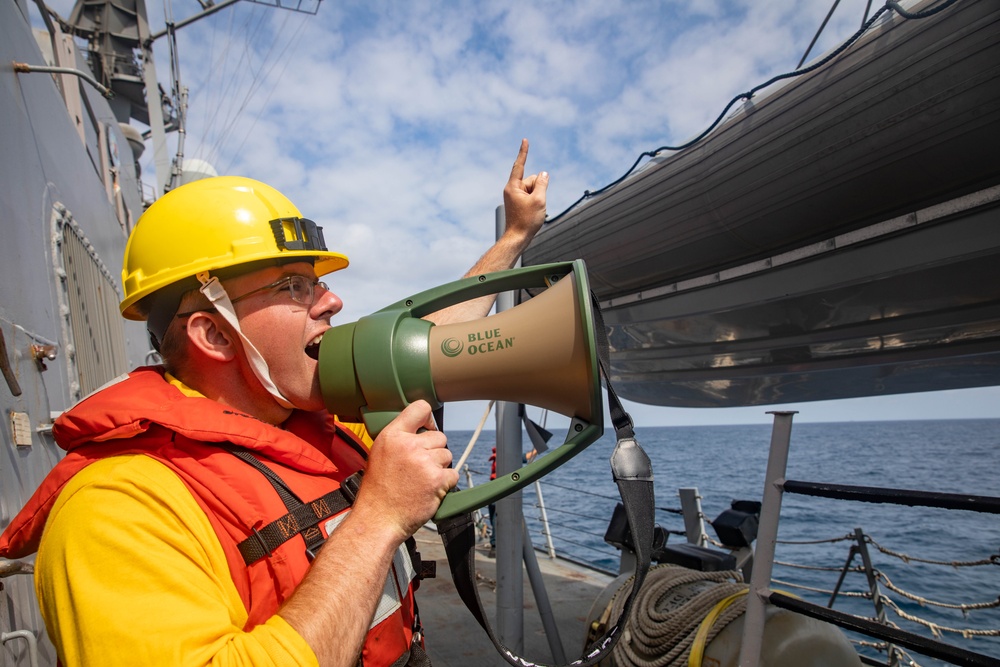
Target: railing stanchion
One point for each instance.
(545, 520)
(866, 560)
(694, 522)
(767, 535)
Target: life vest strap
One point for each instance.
(302, 517)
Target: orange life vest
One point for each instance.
(311, 454)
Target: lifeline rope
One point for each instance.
(824, 591)
(935, 628)
(994, 559)
(655, 636)
(821, 568)
(882, 647)
(829, 540)
(927, 602)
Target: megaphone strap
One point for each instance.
(620, 418)
(636, 489)
(216, 293)
(632, 472)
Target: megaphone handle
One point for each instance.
(438, 414)
(474, 287)
(467, 500)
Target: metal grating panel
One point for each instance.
(96, 326)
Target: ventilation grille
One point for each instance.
(96, 325)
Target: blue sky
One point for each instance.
(394, 124)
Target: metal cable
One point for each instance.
(891, 5)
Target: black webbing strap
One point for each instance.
(632, 472)
(302, 518)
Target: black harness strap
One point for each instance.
(632, 472)
(302, 518)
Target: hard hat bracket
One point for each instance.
(306, 234)
(211, 287)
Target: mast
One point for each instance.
(120, 52)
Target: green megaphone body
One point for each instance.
(542, 352)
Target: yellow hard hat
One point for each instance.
(212, 224)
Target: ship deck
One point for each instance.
(454, 639)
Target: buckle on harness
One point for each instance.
(261, 540)
(351, 486)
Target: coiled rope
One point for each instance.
(657, 633)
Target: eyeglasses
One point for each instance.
(300, 289)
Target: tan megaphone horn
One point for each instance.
(542, 352)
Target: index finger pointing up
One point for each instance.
(517, 171)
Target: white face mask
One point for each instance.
(216, 294)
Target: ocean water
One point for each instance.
(728, 462)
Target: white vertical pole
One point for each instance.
(545, 520)
(767, 536)
(509, 513)
(694, 524)
(154, 104)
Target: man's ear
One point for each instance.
(211, 336)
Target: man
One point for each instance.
(492, 508)
(199, 516)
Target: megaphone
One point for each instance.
(542, 352)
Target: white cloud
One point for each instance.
(394, 124)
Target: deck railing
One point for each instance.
(761, 594)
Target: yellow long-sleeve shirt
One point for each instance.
(154, 589)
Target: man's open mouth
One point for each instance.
(312, 349)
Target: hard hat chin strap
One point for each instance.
(216, 294)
